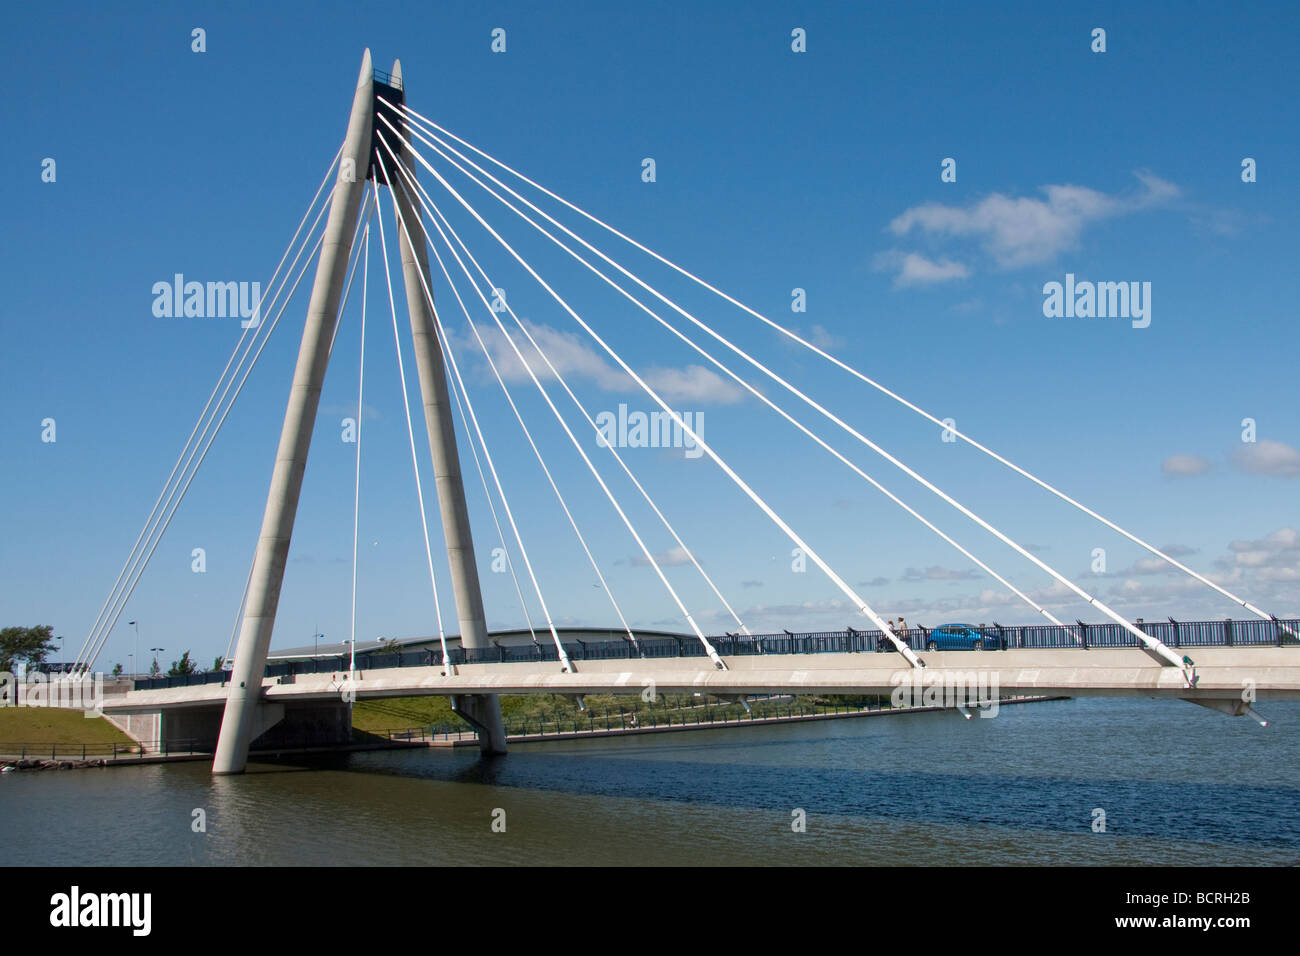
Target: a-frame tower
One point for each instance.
(246, 716)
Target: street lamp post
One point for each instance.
(156, 651)
(136, 625)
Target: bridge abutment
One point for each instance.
(276, 725)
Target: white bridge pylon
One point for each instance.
(245, 693)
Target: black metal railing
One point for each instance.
(115, 750)
(1225, 633)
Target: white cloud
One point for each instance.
(665, 559)
(1268, 458)
(1151, 565)
(695, 384)
(568, 352)
(916, 269)
(1280, 540)
(1262, 570)
(936, 573)
(818, 335)
(1273, 558)
(1020, 231)
(574, 359)
(1185, 466)
(1265, 571)
(823, 339)
(1280, 574)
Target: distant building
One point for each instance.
(517, 637)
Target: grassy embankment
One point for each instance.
(48, 725)
(44, 725)
(400, 713)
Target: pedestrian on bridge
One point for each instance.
(882, 642)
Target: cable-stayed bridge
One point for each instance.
(392, 148)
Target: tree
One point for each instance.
(27, 645)
(153, 668)
(219, 664)
(182, 667)
(117, 669)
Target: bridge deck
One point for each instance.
(1223, 672)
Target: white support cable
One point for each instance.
(763, 398)
(473, 447)
(363, 219)
(1153, 644)
(700, 442)
(190, 449)
(574, 398)
(239, 615)
(565, 664)
(478, 466)
(410, 431)
(157, 538)
(347, 292)
(573, 523)
(371, 200)
(136, 562)
(496, 521)
(142, 561)
(243, 597)
(690, 619)
(181, 490)
(442, 337)
(91, 638)
(361, 393)
(857, 374)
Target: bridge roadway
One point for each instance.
(312, 709)
(1222, 673)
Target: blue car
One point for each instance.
(961, 637)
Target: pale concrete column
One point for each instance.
(483, 710)
(240, 717)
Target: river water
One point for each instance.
(1178, 785)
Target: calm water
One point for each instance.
(1179, 785)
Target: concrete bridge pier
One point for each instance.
(483, 713)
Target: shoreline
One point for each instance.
(87, 761)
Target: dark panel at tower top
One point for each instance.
(396, 96)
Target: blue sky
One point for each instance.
(775, 170)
